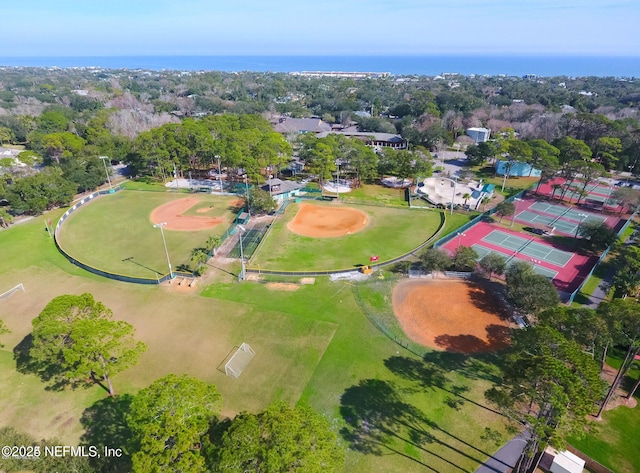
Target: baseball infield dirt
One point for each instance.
(324, 222)
(451, 314)
(172, 213)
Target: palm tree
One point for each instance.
(213, 242)
(466, 198)
(485, 200)
(199, 257)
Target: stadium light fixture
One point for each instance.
(104, 161)
(160, 226)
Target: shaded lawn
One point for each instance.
(364, 381)
(377, 194)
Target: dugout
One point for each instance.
(242, 218)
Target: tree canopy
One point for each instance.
(529, 291)
(280, 439)
(75, 334)
(169, 420)
(550, 385)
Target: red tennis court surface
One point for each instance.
(568, 278)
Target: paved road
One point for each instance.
(600, 294)
(505, 458)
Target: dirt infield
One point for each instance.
(452, 315)
(324, 222)
(172, 213)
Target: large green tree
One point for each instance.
(550, 385)
(77, 335)
(434, 259)
(529, 291)
(169, 420)
(280, 440)
(42, 191)
(493, 263)
(597, 235)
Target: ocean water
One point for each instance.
(572, 66)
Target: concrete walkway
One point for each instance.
(505, 458)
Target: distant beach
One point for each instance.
(544, 66)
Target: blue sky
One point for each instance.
(325, 27)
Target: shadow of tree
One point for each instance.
(430, 375)
(377, 418)
(49, 373)
(105, 425)
(461, 343)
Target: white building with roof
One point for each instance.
(479, 135)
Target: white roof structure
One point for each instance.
(567, 462)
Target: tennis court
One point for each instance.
(528, 248)
(250, 240)
(565, 212)
(548, 221)
(483, 251)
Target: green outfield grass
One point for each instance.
(313, 346)
(115, 233)
(390, 232)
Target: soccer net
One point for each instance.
(239, 361)
(12, 291)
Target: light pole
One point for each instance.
(607, 198)
(583, 217)
(241, 276)
(219, 173)
(104, 161)
(246, 185)
(460, 236)
(516, 210)
(338, 181)
(270, 177)
(454, 193)
(160, 225)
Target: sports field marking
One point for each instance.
(563, 226)
(529, 248)
(483, 251)
(564, 212)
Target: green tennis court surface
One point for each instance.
(482, 251)
(564, 212)
(563, 226)
(528, 248)
(250, 240)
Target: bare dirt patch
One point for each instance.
(173, 213)
(282, 286)
(324, 222)
(237, 203)
(203, 210)
(452, 315)
(308, 281)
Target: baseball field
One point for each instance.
(116, 233)
(313, 345)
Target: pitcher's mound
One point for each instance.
(323, 222)
(453, 315)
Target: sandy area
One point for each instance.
(323, 222)
(282, 286)
(452, 315)
(172, 213)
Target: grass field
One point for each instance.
(312, 346)
(616, 442)
(391, 232)
(115, 232)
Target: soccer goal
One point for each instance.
(239, 361)
(12, 291)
